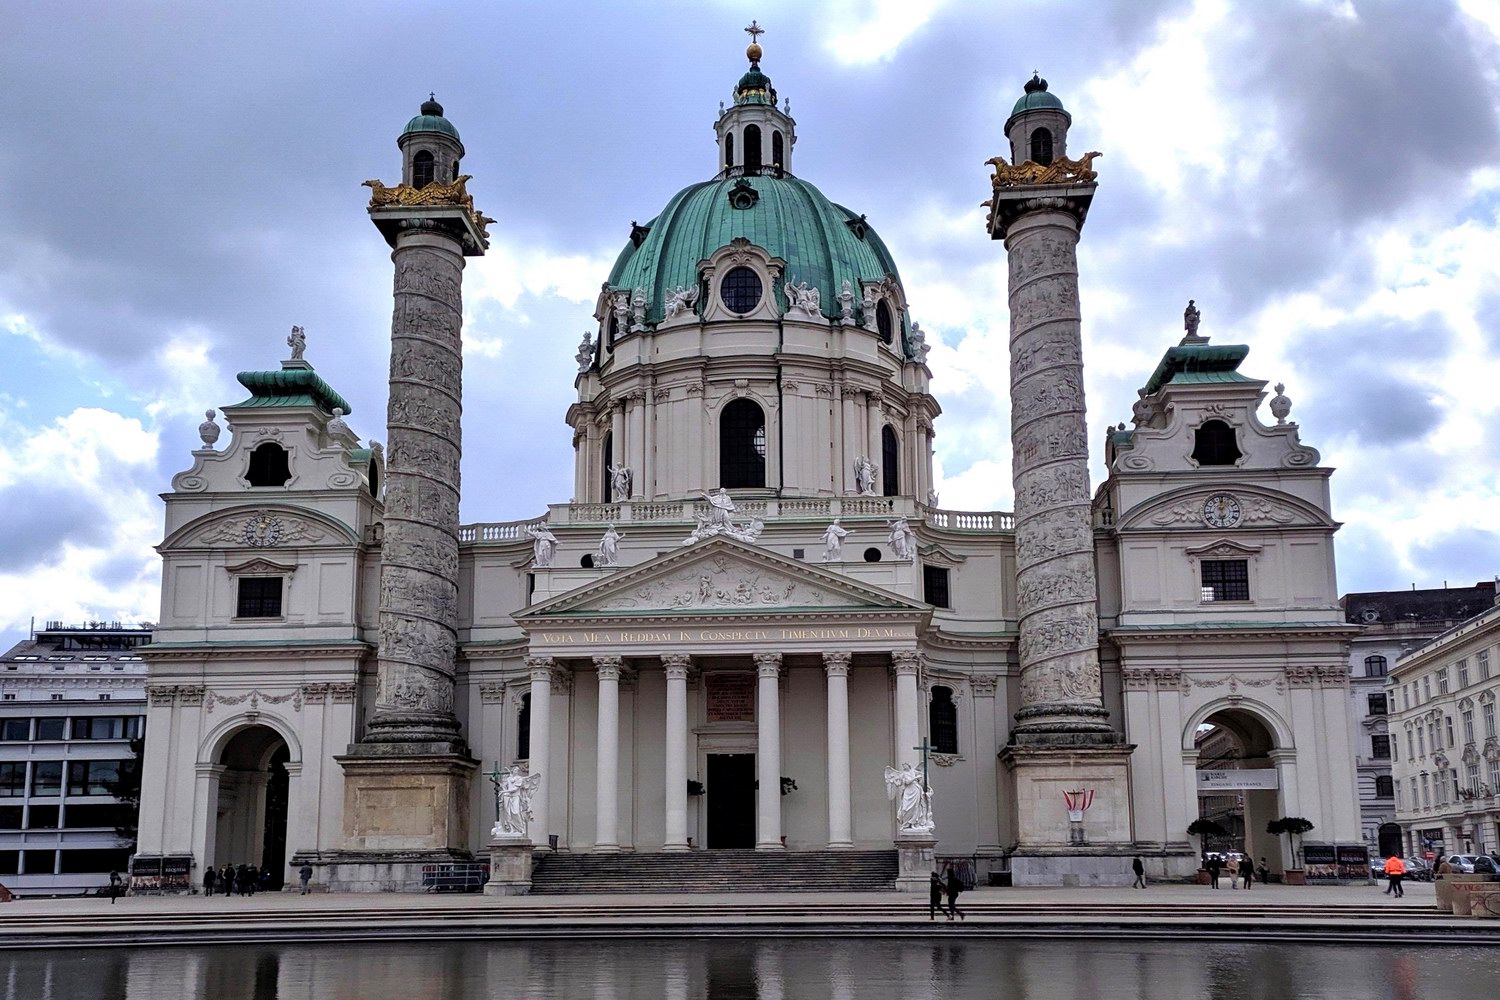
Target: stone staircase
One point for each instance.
(715, 871)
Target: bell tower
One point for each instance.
(407, 780)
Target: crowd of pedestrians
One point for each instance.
(236, 880)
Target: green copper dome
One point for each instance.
(431, 120)
(823, 244)
(1037, 97)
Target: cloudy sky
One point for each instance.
(180, 184)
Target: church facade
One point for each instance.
(754, 603)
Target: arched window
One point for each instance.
(374, 479)
(942, 720)
(885, 325)
(614, 327)
(609, 459)
(890, 462)
(423, 169)
(455, 171)
(752, 148)
(1041, 146)
(778, 150)
(742, 446)
(729, 149)
(523, 729)
(1375, 666)
(1214, 444)
(269, 465)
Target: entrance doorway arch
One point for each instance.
(1234, 739)
(251, 815)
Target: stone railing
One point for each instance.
(968, 520)
(767, 509)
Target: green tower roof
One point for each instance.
(823, 244)
(431, 120)
(291, 387)
(1036, 97)
(1200, 363)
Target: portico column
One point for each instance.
(768, 752)
(907, 664)
(537, 764)
(607, 769)
(676, 666)
(840, 829)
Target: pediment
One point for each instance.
(261, 528)
(1256, 507)
(716, 576)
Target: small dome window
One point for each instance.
(455, 170)
(872, 554)
(374, 479)
(752, 149)
(423, 169)
(1041, 146)
(1214, 444)
(884, 324)
(269, 465)
(778, 150)
(729, 150)
(741, 290)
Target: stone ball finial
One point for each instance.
(208, 431)
(1281, 405)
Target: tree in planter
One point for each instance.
(1205, 828)
(1296, 826)
(694, 787)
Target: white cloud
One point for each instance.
(860, 32)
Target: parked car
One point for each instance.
(1418, 870)
(1485, 865)
(1463, 864)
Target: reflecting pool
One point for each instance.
(952, 968)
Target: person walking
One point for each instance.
(954, 888)
(210, 875)
(226, 879)
(252, 880)
(304, 875)
(934, 895)
(1395, 868)
(1247, 871)
(240, 887)
(114, 887)
(1265, 872)
(1215, 865)
(1140, 874)
(1234, 872)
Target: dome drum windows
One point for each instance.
(742, 445)
(1041, 146)
(423, 169)
(741, 290)
(740, 280)
(884, 322)
(752, 149)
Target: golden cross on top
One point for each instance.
(755, 31)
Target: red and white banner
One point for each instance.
(1078, 802)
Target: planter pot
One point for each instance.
(1443, 884)
(1203, 877)
(1463, 888)
(1485, 905)
(1294, 876)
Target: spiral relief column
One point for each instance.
(407, 781)
(1062, 740)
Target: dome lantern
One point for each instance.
(755, 136)
(1038, 125)
(430, 147)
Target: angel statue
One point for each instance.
(609, 547)
(544, 544)
(914, 807)
(864, 476)
(833, 541)
(513, 791)
(903, 542)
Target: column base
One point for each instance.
(1040, 774)
(510, 867)
(406, 798)
(842, 845)
(376, 871)
(677, 848)
(916, 861)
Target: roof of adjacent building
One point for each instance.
(1433, 606)
(291, 386)
(823, 244)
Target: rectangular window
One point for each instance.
(90, 817)
(1463, 673)
(1411, 746)
(1427, 688)
(1380, 747)
(935, 586)
(1229, 579)
(1377, 704)
(259, 597)
(51, 729)
(15, 730)
(10, 819)
(1448, 726)
(1489, 720)
(41, 817)
(1482, 661)
(1442, 680)
(46, 777)
(1421, 743)
(12, 779)
(1384, 786)
(102, 727)
(1473, 773)
(92, 777)
(97, 860)
(1415, 803)
(1468, 725)
(1495, 774)
(1397, 789)
(1426, 793)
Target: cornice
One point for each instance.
(268, 650)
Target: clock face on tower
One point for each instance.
(1221, 510)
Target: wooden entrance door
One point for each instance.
(730, 791)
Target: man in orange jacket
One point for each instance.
(1394, 869)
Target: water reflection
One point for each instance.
(948, 969)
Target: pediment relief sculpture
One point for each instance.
(1224, 508)
(721, 582)
(261, 529)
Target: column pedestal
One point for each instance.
(510, 867)
(1045, 852)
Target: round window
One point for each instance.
(740, 290)
(872, 554)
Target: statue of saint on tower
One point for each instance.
(1190, 319)
(297, 342)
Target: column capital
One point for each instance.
(906, 661)
(767, 664)
(677, 666)
(535, 663)
(836, 662)
(609, 667)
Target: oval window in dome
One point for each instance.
(741, 290)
